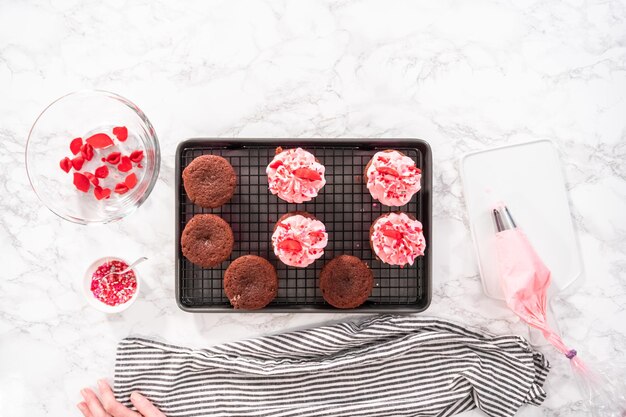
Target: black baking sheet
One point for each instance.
(344, 205)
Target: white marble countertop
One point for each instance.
(462, 75)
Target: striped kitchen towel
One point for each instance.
(383, 366)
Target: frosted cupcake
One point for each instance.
(397, 239)
(299, 239)
(295, 175)
(392, 178)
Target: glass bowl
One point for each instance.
(83, 114)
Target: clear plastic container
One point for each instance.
(529, 179)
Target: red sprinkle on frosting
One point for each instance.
(290, 245)
(307, 174)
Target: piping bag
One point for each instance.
(525, 280)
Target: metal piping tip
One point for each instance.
(503, 218)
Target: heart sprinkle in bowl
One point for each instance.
(92, 157)
(108, 291)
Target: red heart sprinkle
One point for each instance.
(92, 178)
(100, 140)
(87, 151)
(66, 164)
(121, 133)
(114, 158)
(139, 166)
(121, 188)
(102, 172)
(75, 145)
(78, 162)
(290, 245)
(136, 156)
(307, 174)
(131, 180)
(317, 233)
(276, 164)
(383, 159)
(81, 182)
(387, 170)
(102, 193)
(125, 165)
(392, 233)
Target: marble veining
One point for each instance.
(462, 75)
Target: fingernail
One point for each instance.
(102, 383)
(136, 395)
(83, 392)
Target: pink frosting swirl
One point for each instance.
(393, 178)
(295, 176)
(397, 239)
(299, 241)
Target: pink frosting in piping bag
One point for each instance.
(524, 277)
(525, 280)
(397, 239)
(393, 178)
(299, 241)
(295, 176)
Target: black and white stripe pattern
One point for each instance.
(384, 366)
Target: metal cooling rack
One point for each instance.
(344, 205)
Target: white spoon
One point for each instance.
(130, 267)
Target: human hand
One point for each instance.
(107, 406)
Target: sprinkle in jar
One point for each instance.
(114, 289)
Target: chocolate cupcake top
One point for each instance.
(392, 178)
(250, 282)
(207, 240)
(295, 175)
(209, 181)
(346, 282)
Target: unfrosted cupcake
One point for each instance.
(299, 239)
(392, 178)
(209, 181)
(295, 175)
(397, 238)
(250, 282)
(346, 282)
(207, 240)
